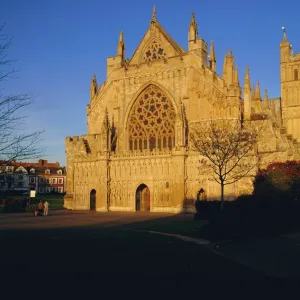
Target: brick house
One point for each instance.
(45, 177)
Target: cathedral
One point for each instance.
(137, 154)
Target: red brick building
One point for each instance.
(45, 177)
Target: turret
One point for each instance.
(115, 62)
(266, 101)
(93, 88)
(193, 30)
(247, 96)
(285, 48)
(256, 101)
(212, 57)
(229, 69)
(121, 46)
(197, 45)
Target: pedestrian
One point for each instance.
(40, 209)
(46, 207)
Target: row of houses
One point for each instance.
(42, 177)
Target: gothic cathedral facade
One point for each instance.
(137, 155)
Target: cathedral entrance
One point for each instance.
(93, 200)
(142, 198)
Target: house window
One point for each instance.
(59, 172)
(41, 180)
(32, 171)
(60, 190)
(48, 180)
(54, 180)
(60, 181)
(41, 189)
(47, 172)
(296, 74)
(32, 180)
(48, 189)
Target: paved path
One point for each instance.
(278, 257)
(119, 247)
(67, 218)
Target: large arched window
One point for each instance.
(152, 121)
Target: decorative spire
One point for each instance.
(224, 66)
(153, 19)
(193, 30)
(247, 95)
(284, 33)
(94, 87)
(284, 39)
(253, 91)
(266, 99)
(236, 76)
(257, 91)
(121, 47)
(247, 78)
(212, 56)
(193, 20)
(94, 80)
(273, 108)
(121, 37)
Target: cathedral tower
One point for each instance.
(290, 88)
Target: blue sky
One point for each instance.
(60, 44)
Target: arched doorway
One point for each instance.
(93, 199)
(142, 198)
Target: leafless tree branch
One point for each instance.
(15, 144)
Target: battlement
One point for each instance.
(81, 138)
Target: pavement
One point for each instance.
(278, 257)
(119, 243)
(67, 218)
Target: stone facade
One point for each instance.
(137, 152)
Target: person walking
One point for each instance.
(46, 207)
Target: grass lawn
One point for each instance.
(56, 201)
(178, 224)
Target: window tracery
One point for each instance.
(152, 121)
(154, 51)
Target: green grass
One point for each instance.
(56, 201)
(184, 225)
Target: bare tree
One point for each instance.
(15, 144)
(229, 149)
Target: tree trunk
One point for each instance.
(222, 195)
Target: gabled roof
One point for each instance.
(160, 34)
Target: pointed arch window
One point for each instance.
(154, 51)
(152, 121)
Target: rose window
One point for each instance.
(152, 121)
(153, 52)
